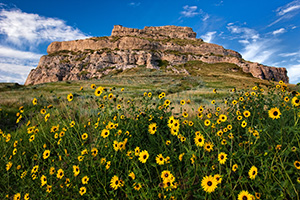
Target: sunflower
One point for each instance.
(72, 124)
(224, 142)
(294, 149)
(115, 182)
(26, 196)
(181, 156)
(274, 113)
(116, 145)
(47, 116)
(167, 102)
(93, 86)
(70, 97)
(182, 102)
(152, 128)
(234, 102)
(76, 170)
(253, 172)
(46, 154)
(257, 195)
(137, 187)
(52, 170)
(295, 101)
(43, 180)
(85, 180)
(34, 101)
(286, 99)
(207, 122)
(99, 91)
(297, 164)
(209, 183)
(94, 151)
(160, 159)
(244, 195)
(60, 174)
(246, 113)
(222, 157)
(132, 175)
(223, 118)
(144, 155)
(218, 178)
(200, 109)
(199, 140)
(220, 133)
(149, 94)
(168, 142)
(17, 196)
(185, 114)
(137, 151)
(244, 124)
(35, 169)
(167, 175)
(84, 136)
(49, 188)
(105, 133)
(82, 191)
(208, 146)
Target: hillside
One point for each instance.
(169, 47)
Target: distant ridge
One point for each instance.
(128, 48)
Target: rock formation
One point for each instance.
(128, 47)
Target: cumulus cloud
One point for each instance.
(21, 34)
(279, 31)
(209, 36)
(22, 28)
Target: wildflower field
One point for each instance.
(103, 144)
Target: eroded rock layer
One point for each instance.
(127, 48)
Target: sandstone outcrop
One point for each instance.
(127, 48)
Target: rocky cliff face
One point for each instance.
(127, 48)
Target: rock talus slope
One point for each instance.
(128, 48)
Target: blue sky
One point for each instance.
(262, 31)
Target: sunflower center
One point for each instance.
(209, 183)
(117, 182)
(168, 184)
(208, 147)
(253, 173)
(245, 198)
(144, 156)
(297, 101)
(166, 175)
(297, 164)
(200, 139)
(275, 113)
(222, 157)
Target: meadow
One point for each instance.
(88, 140)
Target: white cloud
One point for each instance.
(287, 11)
(290, 54)
(14, 73)
(22, 28)
(294, 73)
(247, 33)
(17, 54)
(255, 48)
(133, 4)
(279, 31)
(189, 11)
(20, 36)
(209, 36)
(292, 6)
